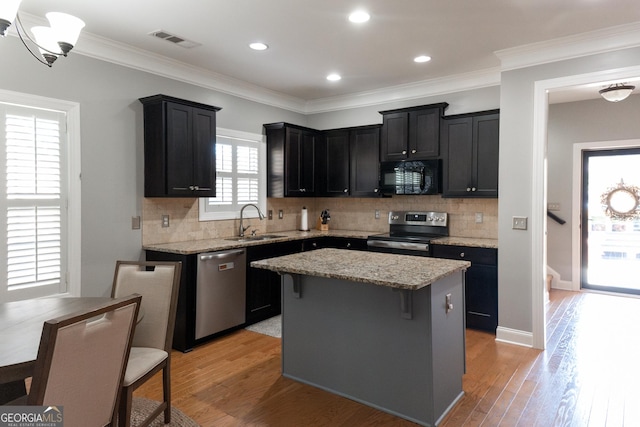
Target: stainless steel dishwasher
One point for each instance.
(221, 291)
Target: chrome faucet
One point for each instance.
(260, 215)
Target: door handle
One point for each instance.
(207, 257)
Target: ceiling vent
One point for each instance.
(161, 34)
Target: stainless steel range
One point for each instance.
(410, 232)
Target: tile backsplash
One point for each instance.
(346, 214)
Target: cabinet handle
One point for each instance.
(346, 190)
(302, 190)
(461, 254)
(473, 188)
(202, 188)
(404, 151)
(375, 190)
(180, 188)
(413, 151)
(348, 245)
(468, 188)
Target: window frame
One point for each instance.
(71, 268)
(203, 215)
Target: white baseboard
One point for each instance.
(514, 336)
(563, 285)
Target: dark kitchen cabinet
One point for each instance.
(291, 160)
(184, 335)
(481, 283)
(411, 133)
(471, 143)
(263, 286)
(348, 162)
(179, 147)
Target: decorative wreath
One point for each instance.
(622, 202)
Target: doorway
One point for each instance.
(610, 236)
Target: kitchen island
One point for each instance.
(382, 329)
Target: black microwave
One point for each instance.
(411, 177)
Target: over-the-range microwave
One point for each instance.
(411, 177)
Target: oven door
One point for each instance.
(401, 248)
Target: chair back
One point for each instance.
(81, 362)
(158, 284)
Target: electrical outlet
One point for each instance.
(377, 214)
(479, 217)
(519, 223)
(165, 221)
(270, 214)
(553, 206)
(280, 214)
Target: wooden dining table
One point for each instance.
(21, 325)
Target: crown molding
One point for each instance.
(450, 84)
(574, 46)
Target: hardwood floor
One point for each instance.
(587, 376)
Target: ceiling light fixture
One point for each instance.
(333, 77)
(258, 46)
(422, 58)
(359, 16)
(53, 41)
(617, 92)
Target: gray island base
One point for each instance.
(384, 330)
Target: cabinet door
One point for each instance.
(365, 162)
(204, 152)
(457, 135)
(334, 164)
(299, 162)
(486, 130)
(395, 133)
(481, 297)
(424, 133)
(179, 149)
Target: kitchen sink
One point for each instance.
(254, 238)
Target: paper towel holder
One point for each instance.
(304, 219)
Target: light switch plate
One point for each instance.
(553, 206)
(135, 223)
(479, 217)
(519, 223)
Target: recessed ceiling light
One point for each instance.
(258, 46)
(333, 77)
(422, 58)
(359, 16)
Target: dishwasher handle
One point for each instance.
(221, 255)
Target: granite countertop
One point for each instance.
(466, 241)
(208, 245)
(395, 271)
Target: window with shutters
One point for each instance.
(34, 213)
(240, 176)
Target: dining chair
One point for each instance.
(81, 362)
(158, 283)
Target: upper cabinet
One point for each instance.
(471, 142)
(411, 133)
(348, 162)
(291, 157)
(179, 148)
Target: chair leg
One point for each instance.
(166, 379)
(124, 412)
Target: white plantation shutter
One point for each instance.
(240, 176)
(34, 201)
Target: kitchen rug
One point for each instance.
(271, 327)
(142, 407)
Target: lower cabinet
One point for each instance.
(263, 286)
(481, 283)
(184, 333)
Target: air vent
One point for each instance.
(161, 34)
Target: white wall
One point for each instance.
(571, 123)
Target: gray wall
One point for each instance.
(571, 123)
(516, 173)
(112, 143)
